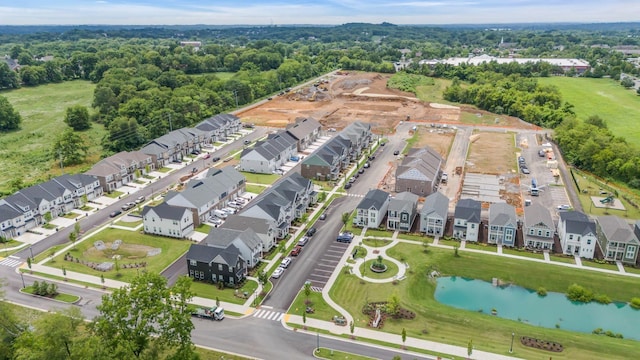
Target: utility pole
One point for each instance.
(235, 93)
(170, 126)
(61, 162)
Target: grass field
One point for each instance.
(433, 93)
(264, 179)
(211, 291)
(619, 107)
(455, 326)
(28, 151)
(68, 298)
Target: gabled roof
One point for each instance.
(303, 127)
(206, 254)
(403, 202)
(216, 122)
(220, 237)
(577, 222)
(616, 229)
(422, 164)
(7, 212)
(537, 214)
(469, 210)
(166, 211)
(153, 148)
(274, 145)
(199, 192)
(502, 214)
(75, 181)
(242, 222)
(374, 199)
(436, 203)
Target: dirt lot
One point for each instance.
(347, 98)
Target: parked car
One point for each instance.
(234, 205)
(296, 251)
(285, 262)
(311, 232)
(322, 217)
(115, 213)
(521, 159)
(564, 207)
(241, 201)
(397, 152)
(277, 273)
(229, 211)
(352, 180)
(303, 241)
(366, 165)
(215, 221)
(206, 156)
(140, 199)
(382, 143)
(345, 237)
(525, 170)
(215, 159)
(541, 153)
(194, 170)
(128, 206)
(361, 171)
(347, 186)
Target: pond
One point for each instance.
(520, 304)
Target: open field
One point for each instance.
(444, 323)
(589, 185)
(133, 250)
(491, 153)
(28, 151)
(211, 291)
(619, 107)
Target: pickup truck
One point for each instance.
(214, 313)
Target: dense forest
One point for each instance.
(148, 84)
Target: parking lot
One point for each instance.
(326, 264)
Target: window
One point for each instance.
(191, 273)
(588, 241)
(219, 267)
(473, 226)
(570, 236)
(631, 251)
(193, 263)
(547, 233)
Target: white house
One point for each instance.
(503, 224)
(578, 234)
(268, 155)
(372, 209)
(167, 220)
(433, 215)
(538, 227)
(466, 220)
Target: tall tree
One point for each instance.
(70, 148)
(10, 327)
(77, 117)
(9, 118)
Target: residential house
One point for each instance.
(419, 172)
(327, 162)
(539, 228)
(12, 63)
(174, 146)
(247, 241)
(402, 211)
(434, 213)
(219, 127)
(578, 234)
(305, 130)
(372, 209)
(120, 169)
(268, 155)
(216, 264)
(466, 220)
(360, 136)
(503, 224)
(617, 239)
(264, 228)
(167, 220)
(204, 195)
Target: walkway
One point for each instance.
(372, 254)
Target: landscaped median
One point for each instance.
(49, 291)
(438, 322)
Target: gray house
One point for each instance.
(173, 146)
(327, 162)
(538, 227)
(503, 224)
(434, 213)
(305, 131)
(466, 220)
(268, 155)
(167, 220)
(218, 127)
(265, 229)
(617, 239)
(121, 168)
(419, 172)
(247, 241)
(402, 211)
(372, 209)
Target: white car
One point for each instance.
(564, 207)
(285, 262)
(303, 241)
(229, 211)
(215, 221)
(277, 273)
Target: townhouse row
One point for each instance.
(576, 233)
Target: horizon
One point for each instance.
(309, 13)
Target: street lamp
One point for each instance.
(511, 348)
(31, 250)
(22, 277)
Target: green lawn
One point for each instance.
(171, 250)
(27, 152)
(587, 182)
(203, 228)
(446, 324)
(414, 237)
(265, 179)
(593, 264)
(524, 253)
(68, 298)
(392, 269)
(619, 107)
(164, 170)
(373, 242)
(256, 189)
(324, 353)
(114, 194)
(130, 224)
(322, 310)
(481, 246)
(379, 233)
(211, 291)
(433, 93)
(564, 259)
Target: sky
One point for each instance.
(321, 12)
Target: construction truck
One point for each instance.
(214, 313)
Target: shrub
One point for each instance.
(635, 303)
(576, 292)
(602, 299)
(542, 291)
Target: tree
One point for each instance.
(9, 118)
(262, 277)
(70, 148)
(102, 280)
(72, 238)
(404, 336)
(352, 328)
(77, 117)
(307, 291)
(345, 218)
(29, 263)
(470, 348)
(304, 318)
(627, 82)
(10, 327)
(393, 304)
(146, 317)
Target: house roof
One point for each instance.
(220, 237)
(303, 127)
(200, 192)
(7, 212)
(374, 199)
(165, 211)
(616, 229)
(422, 164)
(577, 222)
(468, 209)
(535, 214)
(274, 145)
(436, 203)
(404, 202)
(206, 254)
(242, 222)
(502, 214)
(216, 122)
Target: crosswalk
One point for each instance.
(355, 195)
(316, 289)
(11, 261)
(268, 315)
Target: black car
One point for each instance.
(311, 231)
(215, 159)
(361, 171)
(347, 186)
(115, 213)
(322, 217)
(382, 144)
(397, 152)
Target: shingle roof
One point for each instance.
(502, 214)
(374, 199)
(537, 214)
(437, 203)
(274, 145)
(468, 209)
(404, 201)
(303, 127)
(241, 222)
(576, 222)
(616, 229)
(206, 254)
(220, 237)
(420, 164)
(165, 211)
